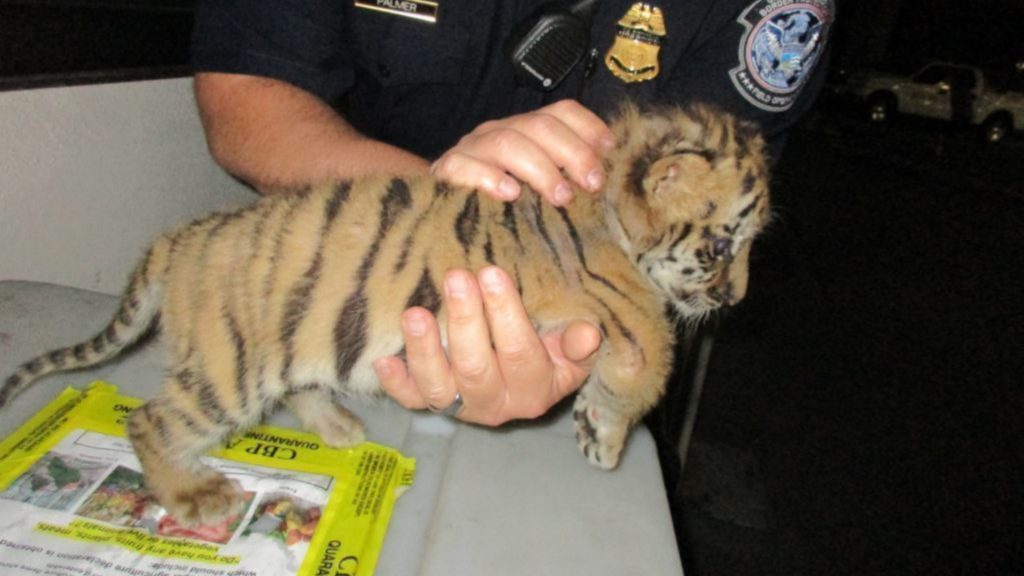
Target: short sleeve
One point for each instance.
(304, 43)
(763, 60)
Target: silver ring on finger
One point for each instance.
(452, 409)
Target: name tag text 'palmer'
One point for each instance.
(423, 10)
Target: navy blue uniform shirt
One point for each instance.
(421, 85)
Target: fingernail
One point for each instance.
(491, 280)
(382, 367)
(608, 142)
(508, 188)
(595, 179)
(415, 325)
(456, 287)
(563, 194)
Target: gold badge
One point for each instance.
(633, 56)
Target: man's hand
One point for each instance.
(496, 361)
(534, 148)
(254, 127)
(521, 376)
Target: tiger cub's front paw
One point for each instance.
(600, 433)
(205, 500)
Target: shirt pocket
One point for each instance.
(400, 51)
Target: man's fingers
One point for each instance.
(580, 343)
(533, 148)
(516, 344)
(521, 355)
(428, 365)
(574, 352)
(396, 382)
(462, 169)
(522, 156)
(521, 376)
(583, 122)
(565, 147)
(473, 365)
(585, 165)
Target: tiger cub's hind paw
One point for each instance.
(600, 434)
(339, 428)
(207, 500)
(333, 423)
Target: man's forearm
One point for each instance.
(278, 137)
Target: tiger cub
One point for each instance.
(292, 298)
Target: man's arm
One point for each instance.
(277, 137)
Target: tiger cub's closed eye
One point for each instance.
(707, 155)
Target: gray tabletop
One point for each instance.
(516, 500)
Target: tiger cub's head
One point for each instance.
(688, 188)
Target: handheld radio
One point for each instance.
(546, 46)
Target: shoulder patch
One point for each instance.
(781, 43)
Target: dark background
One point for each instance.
(862, 410)
(907, 32)
(60, 42)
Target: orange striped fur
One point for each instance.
(291, 299)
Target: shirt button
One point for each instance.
(384, 70)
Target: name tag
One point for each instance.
(423, 10)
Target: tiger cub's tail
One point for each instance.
(139, 311)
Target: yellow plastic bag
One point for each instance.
(72, 501)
